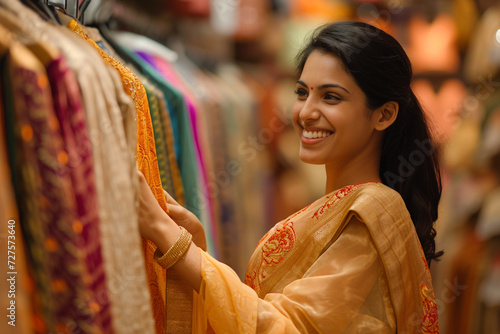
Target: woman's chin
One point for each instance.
(311, 159)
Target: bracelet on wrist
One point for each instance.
(176, 251)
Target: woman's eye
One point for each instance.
(301, 93)
(332, 97)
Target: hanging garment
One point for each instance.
(78, 164)
(173, 147)
(160, 139)
(178, 188)
(147, 164)
(112, 129)
(46, 196)
(171, 76)
(14, 257)
(182, 132)
(350, 260)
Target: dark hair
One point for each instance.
(409, 160)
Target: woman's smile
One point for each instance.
(313, 136)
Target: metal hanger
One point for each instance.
(69, 7)
(48, 13)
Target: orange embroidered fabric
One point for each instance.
(350, 261)
(273, 251)
(331, 199)
(283, 239)
(430, 318)
(147, 164)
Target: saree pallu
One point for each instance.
(350, 262)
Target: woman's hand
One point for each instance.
(153, 220)
(160, 228)
(185, 218)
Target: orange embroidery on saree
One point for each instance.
(425, 264)
(273, 252)
(331, 199)
(423, 258)
(430, 318)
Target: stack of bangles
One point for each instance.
(176, 251)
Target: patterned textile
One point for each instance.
(112, 127)
(166, 122)
(160, 141)
(349, 261)
(147, 164)
(206, 202)
(69, 109)
(46, 198)
(11, 239)
(183, 136)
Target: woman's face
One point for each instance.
(331, 115)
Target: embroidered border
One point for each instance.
(331, 199)
(273, 251)
(430, 318)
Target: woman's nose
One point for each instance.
(309, 112)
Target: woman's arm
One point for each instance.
(160, 228)
(344, 291)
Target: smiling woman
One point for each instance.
(355, 260)
(336, 126)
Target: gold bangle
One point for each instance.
(176, 251)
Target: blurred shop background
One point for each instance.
(234, 61)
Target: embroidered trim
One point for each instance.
(430, 318)
(283, 238)
(273, 251)
(331, 199)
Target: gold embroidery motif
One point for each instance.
(273, 252)
(430, 318)
(330, 200)
(283, 239)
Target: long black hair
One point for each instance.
(409, 161)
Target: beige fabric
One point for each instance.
(112, 129)
(337, 266)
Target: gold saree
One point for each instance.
(350, 262)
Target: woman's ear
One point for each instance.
(385, 115)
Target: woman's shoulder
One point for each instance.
(378, 190)
(378, 201)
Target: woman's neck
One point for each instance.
(361, 172)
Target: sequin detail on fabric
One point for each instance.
(430, 318)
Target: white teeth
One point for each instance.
(315, 134)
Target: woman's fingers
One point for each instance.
(150, 214)
(176, 211)
(170, 199)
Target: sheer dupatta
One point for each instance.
(350, 261)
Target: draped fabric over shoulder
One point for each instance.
(336, 266)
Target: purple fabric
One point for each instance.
(49, 203)
(68, 106)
